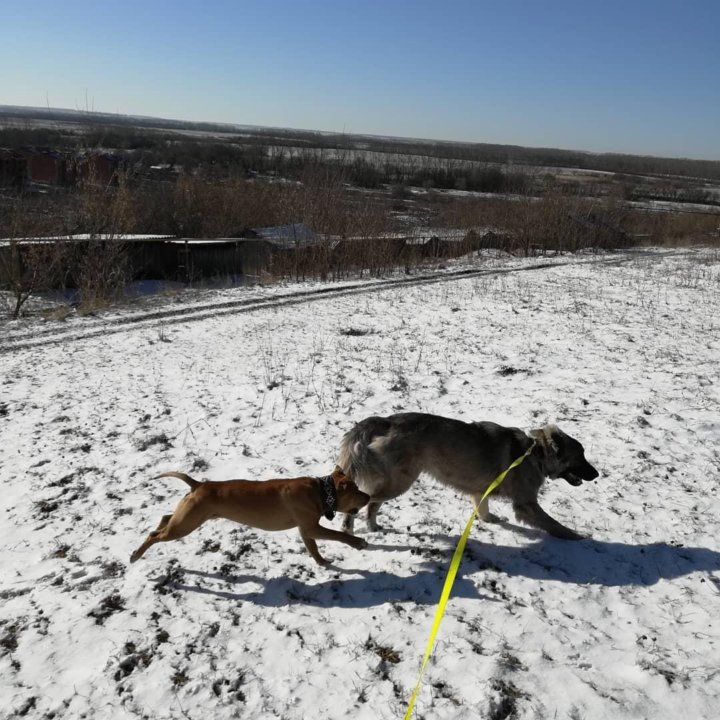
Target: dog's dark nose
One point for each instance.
(589, 472)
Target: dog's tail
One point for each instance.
(357, 458)
(180, 476)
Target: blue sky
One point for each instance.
(639, 77)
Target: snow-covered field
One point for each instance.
(236, 623)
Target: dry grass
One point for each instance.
(357, 226)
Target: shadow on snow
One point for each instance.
(594, 562)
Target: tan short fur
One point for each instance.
(266, 505)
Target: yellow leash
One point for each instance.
(450, 579)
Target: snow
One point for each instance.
(675, 207)
(84, 236)
(233, 622)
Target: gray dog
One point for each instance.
(385, 455)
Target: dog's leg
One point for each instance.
(150, 538)
(372, 511)
(312, 547)
(482, 508)
(172, 527)
(318, 532)
(348, 524)
(163, 522)
(532, 514)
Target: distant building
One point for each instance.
(13, 169)
(45, 166)
(53, 168)
(97, 168)
(284, 237)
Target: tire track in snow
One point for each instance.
(53, 335)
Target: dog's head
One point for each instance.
(349, 496)
(564, 455)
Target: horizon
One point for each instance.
(637, 80)
(401, 138)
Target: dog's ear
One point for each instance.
(546, 438)
(338, 474)
(552, 433)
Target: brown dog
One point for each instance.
(268, 505)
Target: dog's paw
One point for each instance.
(493, 518)
(360, 543)
(572, 535)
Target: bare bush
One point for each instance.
(675, 229)
(565, 222)
(100, 264)
(475, 213)
(352, 229)
(203, 207)
(102, 267)
(28, 265)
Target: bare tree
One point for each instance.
(29, 264)
(101, 263)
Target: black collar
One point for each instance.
(328, 495)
